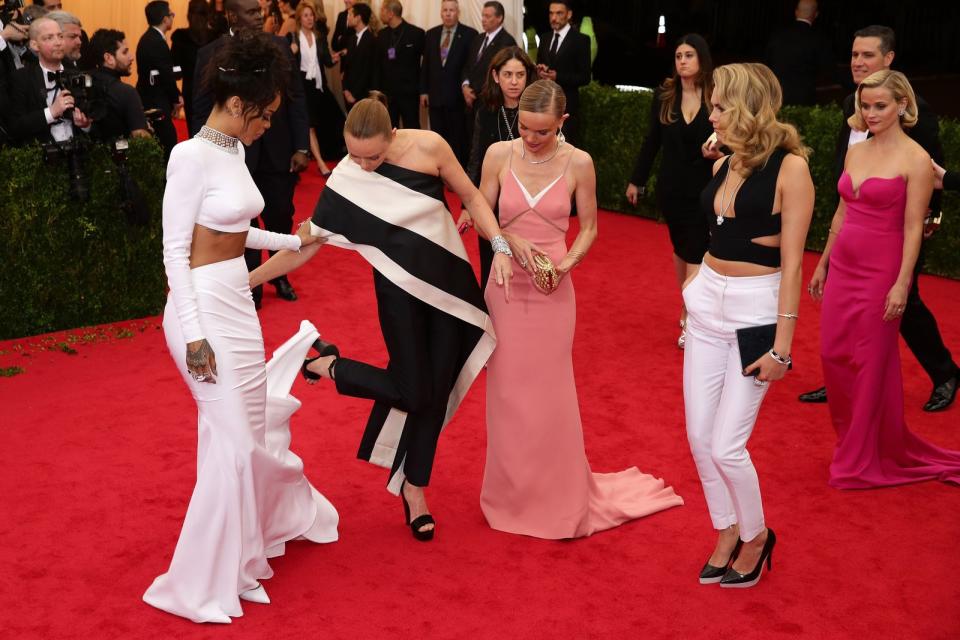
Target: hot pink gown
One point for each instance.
(860, 351)
(537, 480)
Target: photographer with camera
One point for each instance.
(123, 111)
(42, 108)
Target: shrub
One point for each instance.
(69, 264)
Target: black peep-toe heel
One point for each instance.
(323, 349)
(421, 521)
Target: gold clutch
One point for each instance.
(545, 276)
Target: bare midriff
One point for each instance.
(209, 246)
(737, 269)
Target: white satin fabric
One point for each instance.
(251, 495)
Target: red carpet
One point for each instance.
(99, 461)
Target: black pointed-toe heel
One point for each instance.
(420, 521)
(736, 580)
(711, 574)
(323, 349)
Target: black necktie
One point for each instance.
(483, 47)
(554, 46)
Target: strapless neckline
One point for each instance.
(858, 190)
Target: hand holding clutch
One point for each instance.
(545, 276)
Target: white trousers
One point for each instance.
(721, 403)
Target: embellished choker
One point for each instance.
(222, 140)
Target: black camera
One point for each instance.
(12, 11)
(132, 201)
(88, 94)
(74, 151)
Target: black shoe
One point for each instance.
(711, 574)
(817, 395)
(736, 580)
(420, 521)
(284, 289)
(942, 396)
(323, 349)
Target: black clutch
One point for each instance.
(755, 342)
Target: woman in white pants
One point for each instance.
(759, 204)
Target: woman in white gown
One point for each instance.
(251, 495)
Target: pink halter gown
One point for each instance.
(537, 480)
(861, 357)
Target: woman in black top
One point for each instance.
(186, 43)
(309, 45)
(496, 120)
(679, 124)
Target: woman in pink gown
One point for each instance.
(537, 480)
(873, 245)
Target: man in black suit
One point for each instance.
(9, 34)
(444, 55)
(41, 109)
(400, 51)
(485, 45)
(276, 159)
(360, 68)
(338, 42)
(157, 82)
(798, 54)
(564, 57)
(873, 50)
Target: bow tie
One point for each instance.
(53, 76)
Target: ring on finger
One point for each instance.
(759, 382)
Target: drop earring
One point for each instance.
(560, 137)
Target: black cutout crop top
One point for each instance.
(732, 238)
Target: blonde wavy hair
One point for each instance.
(750, 96)
(899, 88)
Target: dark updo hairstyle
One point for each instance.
(491, 94)
(252, 67)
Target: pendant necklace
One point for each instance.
(503, 112)
(723, 194)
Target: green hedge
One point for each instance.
(69, 264)
(614, 125)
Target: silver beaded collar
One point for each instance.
(222, 140)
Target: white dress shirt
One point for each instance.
(60, 128)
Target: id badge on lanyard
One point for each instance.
(392, 53)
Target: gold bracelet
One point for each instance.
(788, 316)
(576, 255)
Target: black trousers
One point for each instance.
(405, 107)
(277, 191)
(919, 330)
(423, 343)
(450, 124)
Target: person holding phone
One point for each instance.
(679, 125)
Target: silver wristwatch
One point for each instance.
(499, 244)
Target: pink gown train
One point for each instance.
(537, 480)
(860, 351)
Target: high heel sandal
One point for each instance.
(711, 574)
(735, 580)
(323, 349)
(420, 521)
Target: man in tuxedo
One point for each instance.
(485, 45)
(564, 57)
(360, 68)
(798, 54)
(42, 109)
(444, 56)
(873, 50)
(157, 82)
(400, 51)
(339, 40)
(276, 159)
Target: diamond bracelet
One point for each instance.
(499, 244)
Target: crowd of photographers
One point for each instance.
(58, 87)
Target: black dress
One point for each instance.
(684, 172)
(489, 128)
(325, 115)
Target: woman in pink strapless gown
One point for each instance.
(871, 257)
(537, 480)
